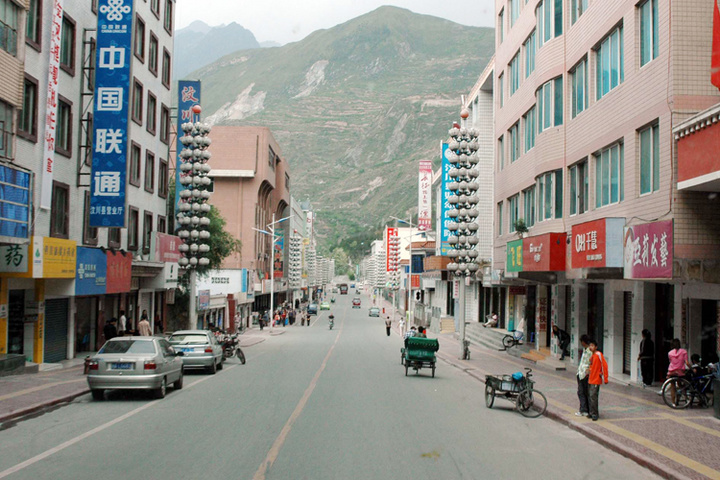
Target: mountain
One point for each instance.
(269, 44)
(354, 108)
(201, 41)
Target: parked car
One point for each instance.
(200, 347)
(374, 312)
(135, 363)
(324, 306)
(356, 302)
(312, 309)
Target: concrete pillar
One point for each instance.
(558, 315)
(614, 326)
(39, 334)
(541, 318)
(71, 327)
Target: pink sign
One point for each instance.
(424, 195)
(167, 248)
(648, 250)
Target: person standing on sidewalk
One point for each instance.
(109, 330)
(388, 326)
(598, 376)
(144, 326)
(647, 358)
(563, 339)
(582, 377)
(123, 323)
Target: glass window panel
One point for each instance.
(645, 33)
(605, 177)
(614, 176)
(573, 190)
(655, 29)
(558, 18)
(548, 196)
(614, 60)
(656, 158)
(547, 93)
(558, 194)
(621, 60)
(622, 172)
(605, 49)
(558, 106)
(540, 22)
(645, 161)
(598, 181)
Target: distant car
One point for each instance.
(356, 302)
(374, 312)
(135, 363)
(324, 306)
(312, 309)
(352, 285)
(200, 347)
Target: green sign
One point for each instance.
(514, 256)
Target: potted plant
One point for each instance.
(520, 228)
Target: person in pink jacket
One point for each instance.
(679, 364)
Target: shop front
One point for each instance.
(90, 290)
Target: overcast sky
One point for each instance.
(285, 21)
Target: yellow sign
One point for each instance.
(59, 258)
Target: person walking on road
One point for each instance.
(647, 358)
(598, 376)
(123, 323)
(582, 377)
(144, 326)
(388, 325)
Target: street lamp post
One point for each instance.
(409, 286)
(270, 230)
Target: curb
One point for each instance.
(252, 341)
(39, 406)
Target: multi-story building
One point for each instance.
(58, 306)
(591, 231)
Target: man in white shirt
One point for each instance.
(122, 323)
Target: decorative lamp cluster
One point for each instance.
(463, 146)
(193, 208)
(393, 262)
(295, 262)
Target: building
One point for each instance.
(592, 230)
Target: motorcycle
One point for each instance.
(332, 322)
(231, 347)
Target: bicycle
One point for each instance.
(687, 390)
(510, 340)
(528, 401)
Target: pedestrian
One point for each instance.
(646, 358)
(401, 324)
(563, 339)
(598, 376)
(158, 323)
(144, 326)
(582, 377)
(123, 323)
(679, 363)
(492, 320)
(421, 332)
(410, 333)
(388, 325)
(109, 330)
(263, 319)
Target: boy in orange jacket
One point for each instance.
(598, 375)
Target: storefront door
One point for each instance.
(709, 331)
(664, 327)
(16, 321)
(627, 331)
(596, 312)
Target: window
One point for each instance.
(132, 230)
(6, 130)
(153, 52)
(151, 122)
(63, 133)
(164, 124)
(529, 206)
(649, 159)
(272, 158)
(514, 73)
(90, 76)
(501, 90)
(162, 224)
(501, 152)
(287, 182)
(648, 31)
(579, 188)
(578, 77)
(168, 20)
(548, 15)
(33, 24)
(529, 47)
(135, 164)
(137, 102)
(501, 25)
(609, 62)
(60, 211)
(67, 45)
(9, 15)
(549, 187)
(139, 40)
(149, 171)
(577, 8)
(90, 234)
(86, 147)
(550, 104)
(166, 68)
(163, 178)
(147, 231)
(513, 212)
(155, 7)
(114, 236)
(514, 133)
(514, 6)
(609, 176)
(529, 122)
(500, 218)
(27, 127)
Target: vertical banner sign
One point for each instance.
(424, 195)
(309, 225)
(278, 252)
(188, 96)
(51, 105)
(444, 203)
(390, 233)
(110, 120)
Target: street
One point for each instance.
(309, 404)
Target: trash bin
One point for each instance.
(716, 400)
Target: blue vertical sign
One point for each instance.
(110, 120)
(243, 280)
(444, 204)
(188, 95)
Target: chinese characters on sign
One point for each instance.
(51, 105)
(188, 96)
(391, 234)
(597, 244)
(544, 253)
(444, 209)
(91, 275)
(424, 195)
(514, 256)
(649, 250)
(112, 83)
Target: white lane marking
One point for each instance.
(79, 438)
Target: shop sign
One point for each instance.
(544, 253)
(391, 233)
(166, 248)
(597, 244)
(188, 97)
(415, 282)
(279, 254)
(91, 272)
(514, 256)
(171, 274)
(59, 258)
(203, 299)
(14, 258)
(444, 201)
(649, 250)
(119, 272)
(456, 289)
(243, 280)
(424, 195)
(517, 290)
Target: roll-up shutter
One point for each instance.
(56, 330)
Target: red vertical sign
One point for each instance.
(715, 61)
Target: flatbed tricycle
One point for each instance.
(518, 389)
(420, 353)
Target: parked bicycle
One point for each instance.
(512, 339)
(518, 389)
(681, 392)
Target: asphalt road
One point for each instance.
(309, 404)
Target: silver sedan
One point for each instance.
(135, 363)
(200, 349)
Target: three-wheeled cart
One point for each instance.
(521, 392)
(420, 353)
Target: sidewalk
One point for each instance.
(22, 395)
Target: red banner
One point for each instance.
(544, 253)
(415, 283)
(167, 247)
(119, 272)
